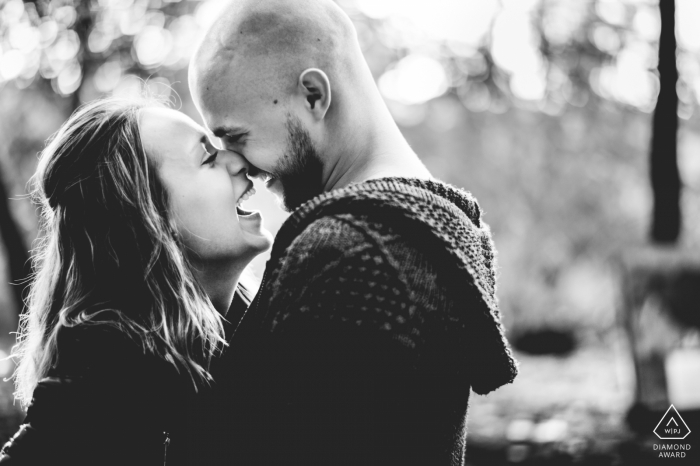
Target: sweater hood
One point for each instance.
(448, 220)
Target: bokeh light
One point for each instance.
(687, 16)
(108, 75)
(623, 33)
(482, 49)
(68, 80)
(11, 64)
(152, 45)
(207, 11)
(612, 11)
(6, 364)
(446, 20)
(129, 86)
(414, 80)
(515, 50)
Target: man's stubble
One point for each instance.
(300, 171)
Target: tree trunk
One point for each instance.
(665, 179)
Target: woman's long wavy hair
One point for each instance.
(108, 253)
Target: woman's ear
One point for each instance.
(316, 88)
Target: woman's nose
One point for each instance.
(236, 164)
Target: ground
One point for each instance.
(559, 411)
(562, 410)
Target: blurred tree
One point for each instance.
(665, 178)
(62, 47)
(546, 57)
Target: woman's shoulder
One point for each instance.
(102, 391)
(98, 349)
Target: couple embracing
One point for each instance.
(377, 311)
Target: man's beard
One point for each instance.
(300, 171)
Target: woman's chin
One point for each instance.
(264, 241)
(251, 221)
(257, 236)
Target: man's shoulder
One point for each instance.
(331, 230)
(105, 351)
(327, 243)
(405, 227)
(416, 211)
(342, 270)
(349, 234)
(337, 251)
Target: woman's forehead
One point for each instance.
(168, 132)
(166, 119)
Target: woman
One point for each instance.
(144, 242)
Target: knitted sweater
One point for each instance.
(376, 315)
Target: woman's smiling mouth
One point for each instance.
(244, 197)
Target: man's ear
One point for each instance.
(316, 88)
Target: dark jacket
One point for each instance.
(376, 315)
(106, 402)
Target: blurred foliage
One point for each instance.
(90, 48)
(540, 107)
(491, 53)
(540, 54)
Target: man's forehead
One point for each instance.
(228, 90)
(228, 111)
(226, 116)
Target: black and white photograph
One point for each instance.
(349, 232)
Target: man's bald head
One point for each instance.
(272, 42)
(284, 83)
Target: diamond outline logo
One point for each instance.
(673, 418)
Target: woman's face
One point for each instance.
(205, 187)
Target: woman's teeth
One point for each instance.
(246, 195)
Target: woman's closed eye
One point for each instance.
(211, 156)
(211, 159)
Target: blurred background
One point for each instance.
(575, 123)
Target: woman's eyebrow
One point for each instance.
(205, 141)
(202, 142)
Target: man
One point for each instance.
(377, 311)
